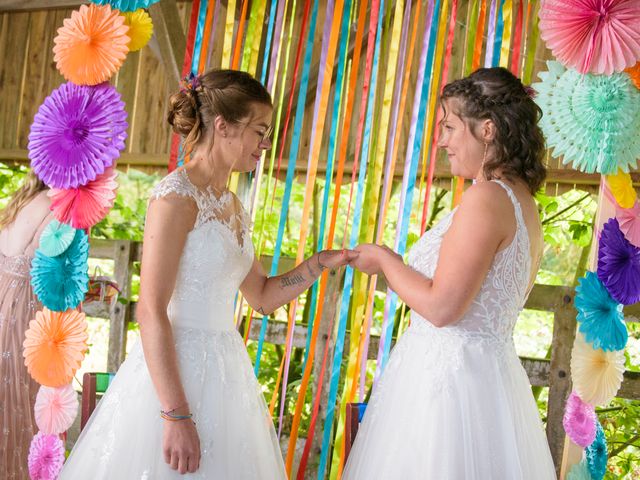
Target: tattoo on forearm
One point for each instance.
(311, 270)
(291, 280)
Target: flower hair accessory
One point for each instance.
(190, 82)
(530, 91)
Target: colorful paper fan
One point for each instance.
(597, 375)
(579, 421)
(591, 120)
(46, 456)
(600, 317)
(596, 455)
(126, 5)
(621, 186)
(580, 471)
(77, 133)
(54, 346)
(91, 45)
(140, 29)
(629, 222)
(634, 73)
(61, 282)
(86, 205)
(598, 36)
(619, 264)
(56, 409)
(56, 238)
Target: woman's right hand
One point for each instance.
(181, 445)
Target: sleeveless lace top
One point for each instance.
(216, 258)
(494, 311)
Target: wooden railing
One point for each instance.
(553, 373)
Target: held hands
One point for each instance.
(334, 258)
(371, 258)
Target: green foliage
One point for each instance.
(11, 178)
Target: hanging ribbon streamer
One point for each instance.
(208, 28)
(532, 44)
(507, 15)
(491, 36)
(477, 49)
(408, 181)
(229, 25)
(517, 42)
(497, 43)
(237, 49)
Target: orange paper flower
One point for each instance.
(91, 45)
(634, 73)
(54, 346)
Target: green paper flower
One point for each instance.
(591, 120)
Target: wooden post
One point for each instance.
(171, 38)
(564, 328)
(124, 255)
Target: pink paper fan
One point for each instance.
(597, 36)
(55, 409)
(579, 421)
(86, 205)
(46, 456)
(629, 222)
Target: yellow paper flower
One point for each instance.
(140, 28)
(597, 375)
(622, 189)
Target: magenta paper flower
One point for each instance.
(596, 36)
(46, 456)
(629, 221)
(579, 421)
(77, 133)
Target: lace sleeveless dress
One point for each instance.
(123, 438)
(455, 403)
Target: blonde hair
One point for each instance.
(30, 188)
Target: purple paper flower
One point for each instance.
(619, 264)
(46, 456)
(77, 133)
(579, 421)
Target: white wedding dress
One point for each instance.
(123, 438)
(455, 403)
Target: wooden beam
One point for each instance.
(170, 35)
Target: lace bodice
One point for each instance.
(494, 311)
(217, 256)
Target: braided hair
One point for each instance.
(496, 94)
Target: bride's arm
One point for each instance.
(265, 294)
(169, 219)
(479, 226)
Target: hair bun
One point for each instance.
(183, 113)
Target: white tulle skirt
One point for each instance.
(123, 438)
(451, 407)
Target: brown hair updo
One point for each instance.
(228, 93)
(498, 95)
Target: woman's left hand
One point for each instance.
(335, 258)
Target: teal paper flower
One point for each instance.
(56, 238)
(600, 316)
(580, 471)
(61, 282)
(590, 120)
(126, 5)
(596, 455)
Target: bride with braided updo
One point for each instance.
(454, 402)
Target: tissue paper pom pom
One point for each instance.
(591, 120)
(622, 189)
(126, 5)
(600, 316)
(596, 374)
(91, 45)
(54, 346)
(619, 264)
(55, 409)
(140, 29)
(596, 455)
(579, 421)
(56, 238)
(599, 36)
(77, 133)
(46, 456)
(61, 282)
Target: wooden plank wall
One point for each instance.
(28, 74)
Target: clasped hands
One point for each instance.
(369, 258)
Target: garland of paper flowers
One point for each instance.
(592, 120)
(75, 139)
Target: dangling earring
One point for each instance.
(484, 155)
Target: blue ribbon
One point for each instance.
(497, 43)
(197, 46)
(355, 229)
(291, 165)
(267, 45)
